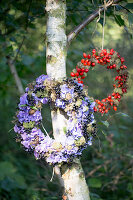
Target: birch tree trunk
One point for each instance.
(56, 49)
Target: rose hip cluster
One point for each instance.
(112, 61)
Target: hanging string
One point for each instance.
(45, 130)
(99, 13)
(52, 175)
(104, 23)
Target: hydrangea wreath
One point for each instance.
(70, 97)
(112, 61)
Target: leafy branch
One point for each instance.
(89, 19)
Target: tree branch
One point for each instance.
(26, 27)
(89, 19)
(15, 75)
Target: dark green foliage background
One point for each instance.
(108, 163)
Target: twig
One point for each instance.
(21, 44)
(89, 19)
(98, 167)
(26, 26)
(15, 74)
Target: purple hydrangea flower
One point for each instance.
(65, 90)
(19, 129)
(28, 140)
(24, 116)
(59, 103)
(23, 101)
(41, 79)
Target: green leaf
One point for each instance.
(130, 18)
(65, 129)
(8, 184)
(23, 105)
(124, 114)
(6, 169)
(28, 124)
(129, 6)
(33, 107)
(105, 123)
(95, 182)
(119, 20)
(20, 181)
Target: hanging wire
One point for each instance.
(103, 23)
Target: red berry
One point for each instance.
(89, 56)
(104, 51)
(82, 61)
(111, 53)
(79, 79)
(84, 55)
(89, 63)
(122, 59)
(93, 51)
(114, 65)
(101, 61)
(106, 111)
(72, 74)
(109, 97)
(111, 50)
(104, 100)
(113, 94)
(82, 73)
(95, 109)
(115, 108)
(78, 70)
(82, 77)
(99, 106)
(83, 69)
(77, 74)
(101, 54)
(93, 64)
(108, 60)
(86, 70)
(125, 66)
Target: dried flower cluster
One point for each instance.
(67, 95)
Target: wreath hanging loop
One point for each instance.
(68, 96)
(112, 61)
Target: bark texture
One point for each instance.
(74, 181)
(56, 44)
(15, 75)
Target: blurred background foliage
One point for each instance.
(108, 163)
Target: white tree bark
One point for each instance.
(56, 50)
